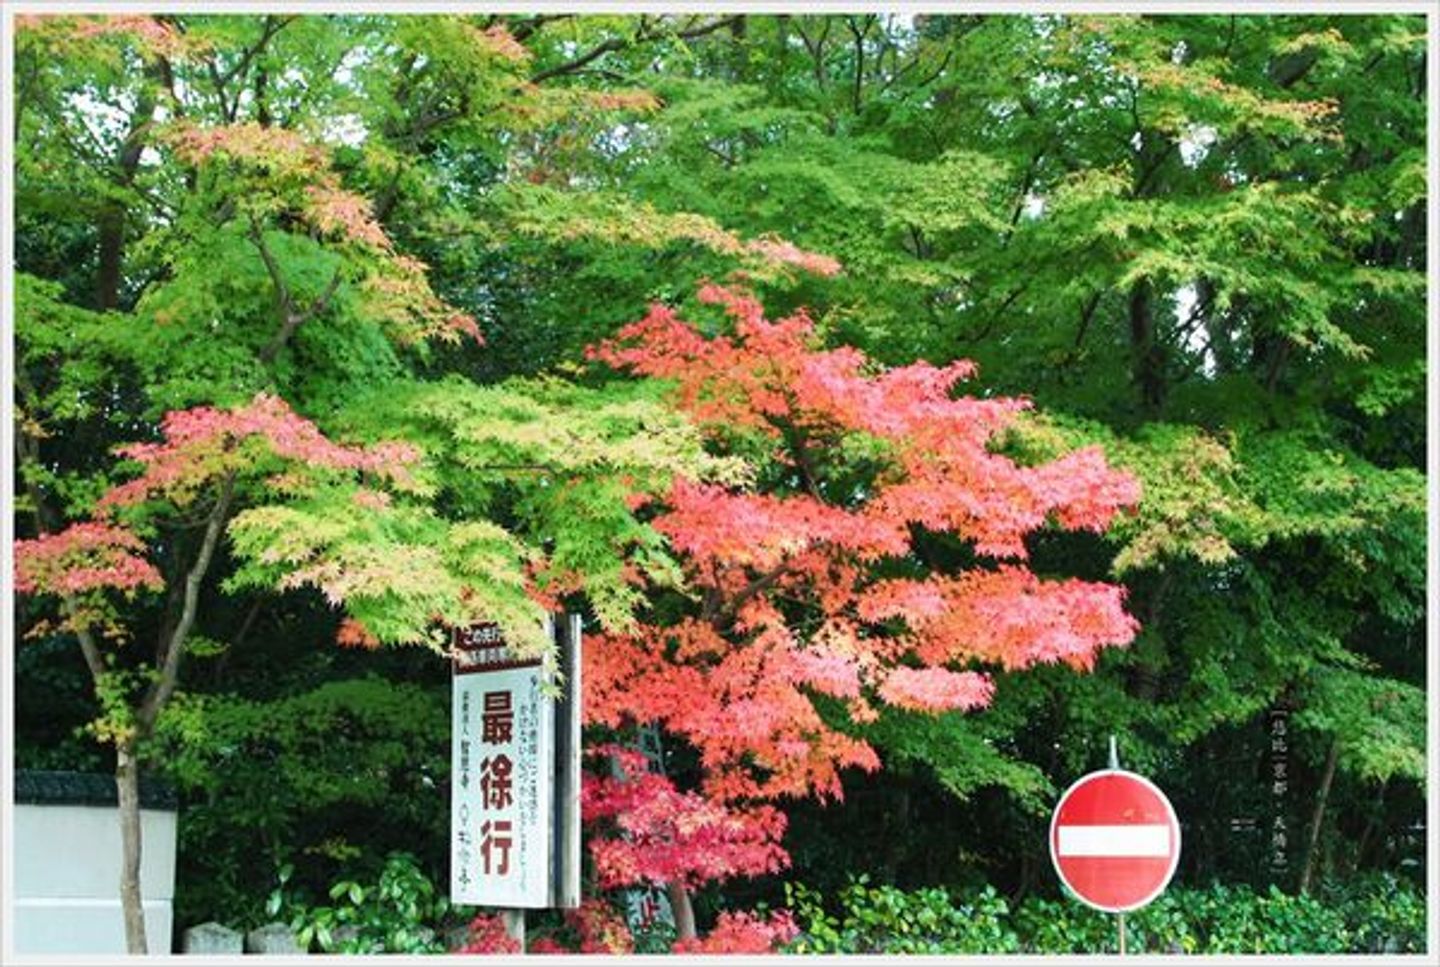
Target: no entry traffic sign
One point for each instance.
(1114, 840)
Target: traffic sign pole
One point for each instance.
(1115, 841)
(1119, 917)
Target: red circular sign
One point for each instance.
(1114, 840)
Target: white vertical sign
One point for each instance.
(502, 758)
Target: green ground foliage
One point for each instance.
(1197, 241)
(1371, 914)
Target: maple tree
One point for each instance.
(810, 590)
(207, 461)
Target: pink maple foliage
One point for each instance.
(281, 150)
(153, 36)
(935, 689)
(788, 253)
(501, 43)
(200, 443)
(88, 556)
(742, 932)
(335, 211)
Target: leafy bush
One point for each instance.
(1385, 914)
(328, 780)
(486, 935)
(743, 932)
(400, 913)
(1063, 926)
(883, 919)
(1366, 915)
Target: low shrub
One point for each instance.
(1375, 914)
(884, 919)
(400, 913)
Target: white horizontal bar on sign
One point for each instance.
(1113, 840)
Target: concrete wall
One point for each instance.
(67, 879)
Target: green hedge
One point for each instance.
(1376, 914)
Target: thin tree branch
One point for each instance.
(859, 74)
(273, 25)
(720, 618)
(816, 49)
(595, 53)
(295, 320)
(613, 44)
(934, 76)
(292, 317)
(525, 28)
(169, 671)
(995, 316)
(277, 278)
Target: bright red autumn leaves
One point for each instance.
(814, 588)
(668, 836)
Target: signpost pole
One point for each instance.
(514, 920)
(565, 817)
(1120, 918)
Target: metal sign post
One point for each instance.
(1119, 917)
(1115, 841)
(565, 817)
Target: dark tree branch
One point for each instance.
(995, 316)
(858, 35)
(720, 618)
(525, 28)
(1152, 168)
(277, 278)
(273, 25)
(219, 85)
(292, 317)
(111, 223)
(816, 49)
(934, 76)
(1087, 312)
(293, 321)
(643, 35)
(595, 53)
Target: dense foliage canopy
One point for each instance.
(907, 402)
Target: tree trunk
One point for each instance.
(684, 913)
(127, 788)
(1147, 355)
(1312, 842)
(897, 823)
(111, 226)
(1371, 826)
